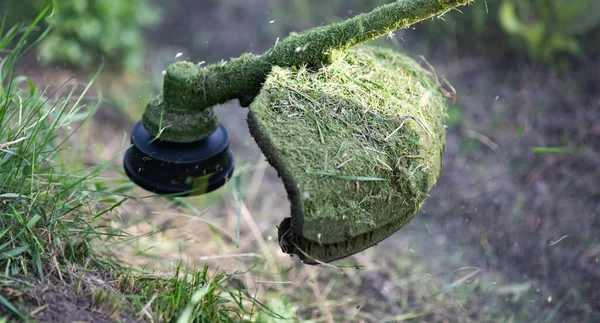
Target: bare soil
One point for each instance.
(90, 298)
(533, 216)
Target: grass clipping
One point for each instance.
(358, 145)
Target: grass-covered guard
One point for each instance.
(358, 145)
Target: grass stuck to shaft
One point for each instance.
(57, 220)
(358, 145)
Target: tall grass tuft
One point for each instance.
(43, 207)
(53, 209)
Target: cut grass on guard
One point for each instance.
(358, 145)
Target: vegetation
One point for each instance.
(548, 31)
(55, 216)
(87, 31)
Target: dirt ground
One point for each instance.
(532, 216)
(76, 297)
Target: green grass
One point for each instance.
(195, 296)
(55, 214)
(552, 150)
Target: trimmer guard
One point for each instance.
(358, 145)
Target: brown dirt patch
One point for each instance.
(90, 297)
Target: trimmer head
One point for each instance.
(358, 145)
(185, 169)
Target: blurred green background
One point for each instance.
(555, 32)
(84, 31)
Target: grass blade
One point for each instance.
(4, 302)
(350, 178)
(552, 150)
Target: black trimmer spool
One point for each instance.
(182, 169)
